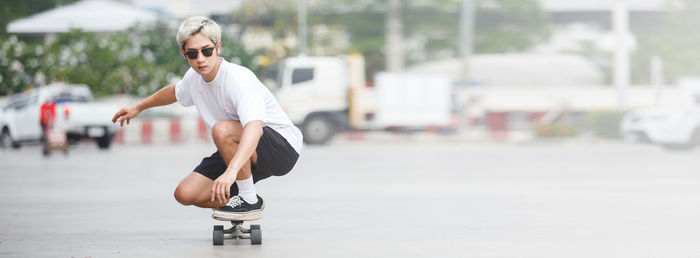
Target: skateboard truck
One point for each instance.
(237, 232)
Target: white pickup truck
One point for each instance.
(19, 117)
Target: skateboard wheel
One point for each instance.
(218, 235)
(255, 235)
(255, 226)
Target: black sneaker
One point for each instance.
(239, 209)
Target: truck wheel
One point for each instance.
(7, 141)
(104, 142)
(318, 130)
(73, 139)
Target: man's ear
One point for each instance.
(182, 52)
(218, 48)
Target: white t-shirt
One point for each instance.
(235, 94)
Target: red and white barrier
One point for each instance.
(202, 130)
(175, 131)
(162, 131)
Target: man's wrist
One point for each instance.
(230, 171)
(139, 107)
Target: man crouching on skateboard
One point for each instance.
(254, 137)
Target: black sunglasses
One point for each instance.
(192, 54)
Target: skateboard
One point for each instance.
(237, 232)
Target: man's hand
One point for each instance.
(164, 96)
(221, 190)
(125, 114)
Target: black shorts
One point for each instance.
(276, 157)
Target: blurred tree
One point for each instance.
(364, 21)
(510, 26)
(11, 10)
(280, 16)
(138, 61)
(675, 40)
(21, 64)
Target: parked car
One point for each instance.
(666, 126)
(19, 119)
(676, 127)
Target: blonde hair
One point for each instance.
(194, 25)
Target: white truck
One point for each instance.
(19, 117)
(675, 127)
(324, 95)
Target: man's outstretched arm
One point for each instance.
(164, 96)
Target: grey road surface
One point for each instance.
(389, 199)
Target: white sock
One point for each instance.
(246, 190)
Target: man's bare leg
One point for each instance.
(247, 205)
(227, 136)
(195, 189)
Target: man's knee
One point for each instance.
(185, 196)
(227, 130)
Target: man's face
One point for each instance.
(199, 43)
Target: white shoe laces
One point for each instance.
(235, 201)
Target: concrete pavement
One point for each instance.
(364, 199)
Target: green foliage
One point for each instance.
(500, 25)
(21, 63)
(277, 16)
(606, 124)
(674, 39)
(366, 29)
(138, 61)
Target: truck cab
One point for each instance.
(313, 91)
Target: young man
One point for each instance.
(254, 137)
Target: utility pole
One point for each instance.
(621, 69)
(466, 38)
(466, 48)
(657, 77)
(394, 37)
(302, 26)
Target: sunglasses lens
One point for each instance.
(192, 54)
(207, 51)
